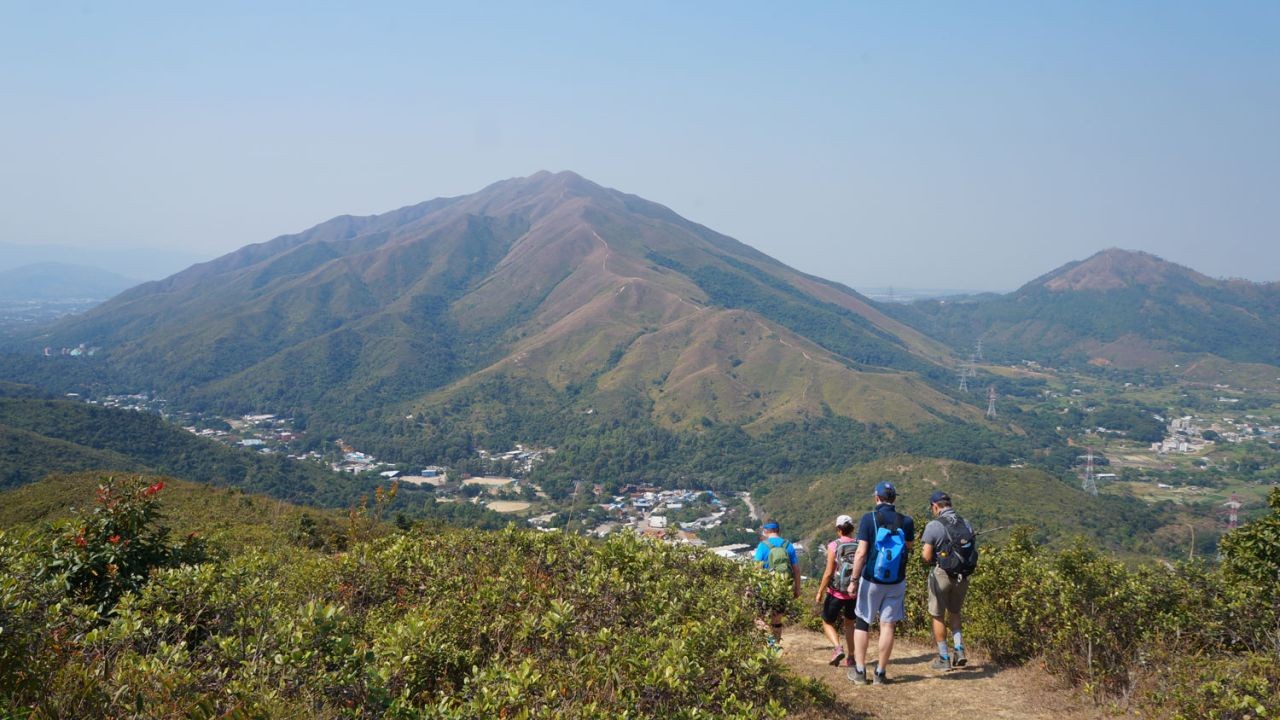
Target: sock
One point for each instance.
(880, 672)
(860, 669)
(956, 638)
(942, 649)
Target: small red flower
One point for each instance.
(157, 487)
(113, 539)
(80, 541)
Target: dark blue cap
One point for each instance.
(770, 526)
(886, 491)
(939, 496)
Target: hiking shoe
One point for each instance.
(858, 678)
(942, 662)
(836, 657)
(880, 678)
(958, 660)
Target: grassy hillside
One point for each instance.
(27, 456)
(228, 517)
(42, 435)
(989, 497)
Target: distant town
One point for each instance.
(680, 516)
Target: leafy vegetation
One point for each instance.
(112, 549)
(42, 436)
(457, 624)
(1157, 640)
(1187, 641)
(228, 518)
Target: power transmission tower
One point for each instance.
(967, 371)
(977, 353)
(1090, 479)
(991, 401)
(1231, 512)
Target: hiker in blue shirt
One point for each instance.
(772, 552)
(880, 571)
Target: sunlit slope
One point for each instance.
(549, 277)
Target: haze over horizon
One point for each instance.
(972, 148)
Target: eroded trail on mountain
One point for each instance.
(979, 690)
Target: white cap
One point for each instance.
(844, 520)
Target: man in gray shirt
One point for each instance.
(951, 547)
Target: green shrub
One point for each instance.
(457, 624)
(1224, 688)
(113, 548)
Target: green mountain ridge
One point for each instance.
(549, 280)
(1121, 308)
(40, 436)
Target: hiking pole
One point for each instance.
(991, 530)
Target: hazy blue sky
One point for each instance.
(958, 145)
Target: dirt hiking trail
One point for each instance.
(978, 690)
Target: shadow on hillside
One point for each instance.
(835, 710)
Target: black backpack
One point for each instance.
(958, 552)
(843, 574)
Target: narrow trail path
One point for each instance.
(978, 690)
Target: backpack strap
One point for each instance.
(948, 522)
(895, 522)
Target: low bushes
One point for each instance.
(459, 624)
(1186, 641)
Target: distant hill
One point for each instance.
(40, 436)
(1119, 308)
(60, 281)
(132, 262)
(588, 299)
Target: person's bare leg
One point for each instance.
(850, 639)
(885, 645)
(777, 626)
(940, 628)
(830, 631)
(860, 648)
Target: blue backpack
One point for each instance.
(889, 551)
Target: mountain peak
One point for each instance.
(1112, 269)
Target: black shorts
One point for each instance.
(833, 607)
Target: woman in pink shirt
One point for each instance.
(834, 593)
